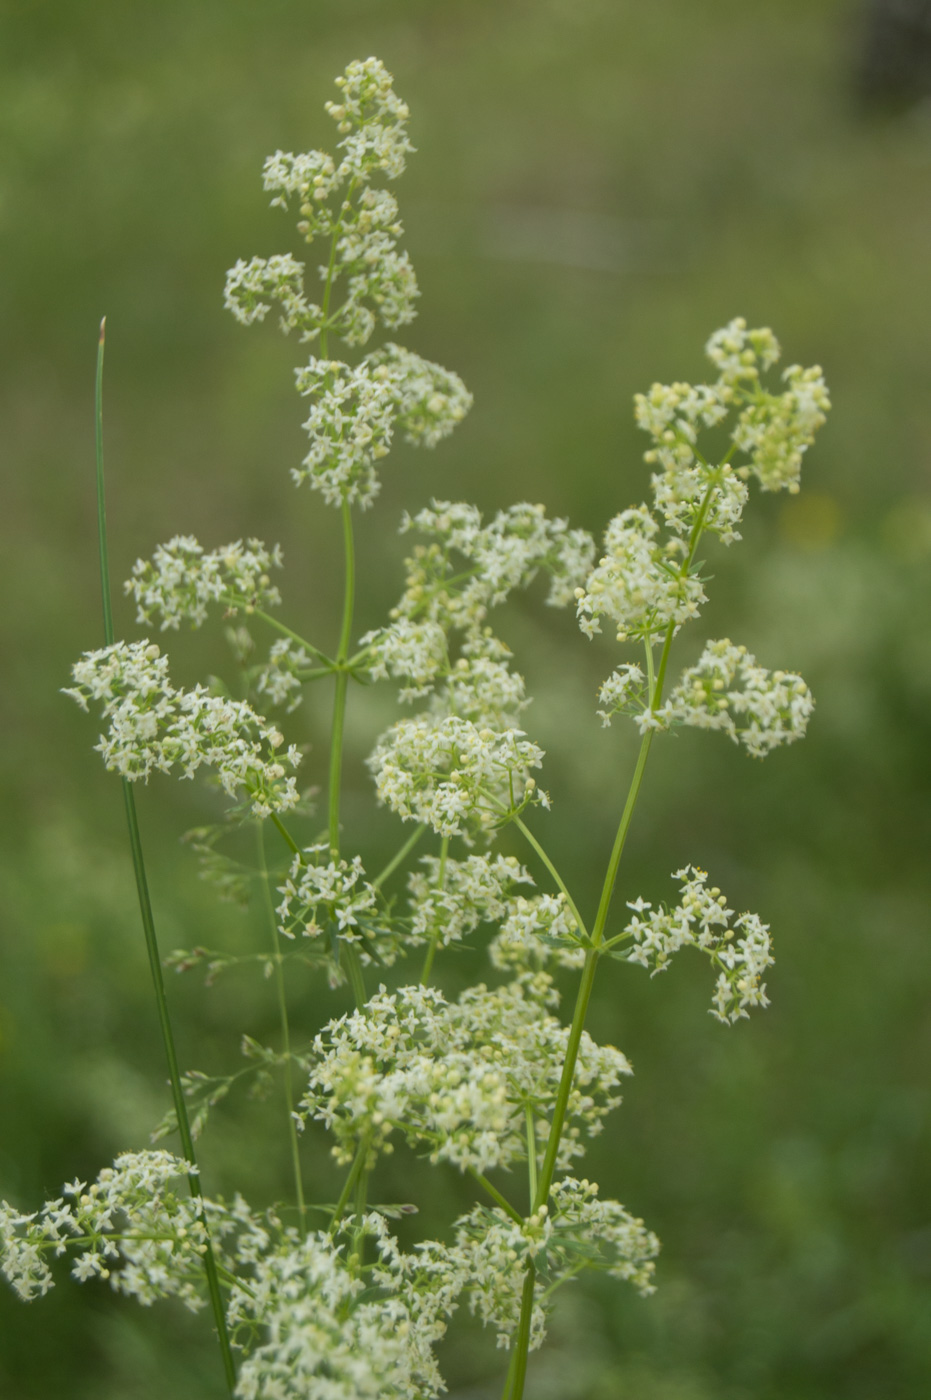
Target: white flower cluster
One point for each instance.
(773, 430)
(535, 931)
(181, 580)
(623, 693)
(153, 726)
(576, 1230)
(453, 775)
(645, 583)
(474, 891)
(452, 582)
(326, 898)
(739, 948)
(279, 679)
(638, 583)
(129, 1226)
(727, 690)
(505, 554)
(355, 411)
(457, 1077)
(362, 224)
(325, 1328)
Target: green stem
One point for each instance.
(285, 1032)
(434, 932)
(587, 981)
(509, 1379)
(401, 856)
(342, 681)
(358, 1162)
(530, 1124)
(354, 970)
(529, 836)
(148, 920)
(286, 836)
(280, 627)
(515, 1386)
(496, 1195)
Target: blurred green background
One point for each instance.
(599, 184)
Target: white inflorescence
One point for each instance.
(623, 693)
(129, 1226)
(181, 580)
(475, 1082)
(355, 411)
(727, 690)
(638, 583)
(453, 775)
(153, 726)
(457, 1077)
(648, 585)
(319, 894)
(739, 948)
(473, 891)
(575, 1230)
(535, 931)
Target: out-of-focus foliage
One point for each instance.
(599, 183)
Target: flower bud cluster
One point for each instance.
(740, 948)
(727, 690)
(457, 1077)
(153, 726)
(453, 775)
(181, 580)
(474, 891)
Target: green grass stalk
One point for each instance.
(148, 920)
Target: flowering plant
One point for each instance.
(494, 1081)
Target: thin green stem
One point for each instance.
(358, 1162)
(530, 1124)
(561, 884)
(509, 1379)
(515, 1389)
(587, 980)
(285, 1030)
(354, 971)
(148, 919)
(496, 1195)
(286, 836)
(401, 856)
(277, 626)
(342, 681)
(434, 932)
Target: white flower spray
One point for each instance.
(493, 1084)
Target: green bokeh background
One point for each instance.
(599, 184)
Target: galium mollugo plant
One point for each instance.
(321, 1300)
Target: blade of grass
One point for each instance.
(145, 910)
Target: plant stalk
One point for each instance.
(148, 919)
